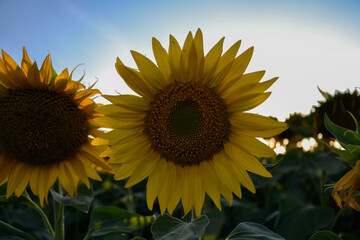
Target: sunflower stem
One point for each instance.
(41, 212)
(193, 217)
(192, 214)
(59, 217)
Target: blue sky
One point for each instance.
(306, 43)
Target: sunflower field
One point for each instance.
(182, 158)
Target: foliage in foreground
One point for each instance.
(295, 204)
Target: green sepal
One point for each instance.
(324, 94)
(82, 77)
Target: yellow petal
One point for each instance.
(162, 59)
(212, 59)
(34, 180)
(263, 86)
(26, 63)
(53, 175)
(247, 161)
(66, 179)
(134, 80)
(5, 168)
(15, 177)
(117, 112)
(14, 72)
(34, 76)
(225, 173)
(238, 68)
(130, 146)
(80, 171)
(143, 170)
(5, 78)
(149, 71)
(90, 171)
(256, 125)
(92, 156)
(45, 71)
(247, 102)
(211, 183)
(198, 42)
(154, 184)
(197, 189)
(175, 189)
(84, 95)
(109, 122)
(23, 180)
(138, 151)
(126, 169)
(164, 194)
(130, 102)
(243, 177)
(244, 84)
(228, 56)
(253, 145)
(186, 197)
(188, 64)
(219, 76)
(60, 82)
(174, 58)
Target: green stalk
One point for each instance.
(192, 214)
(41, 212)
(59, 217)
(193, 217)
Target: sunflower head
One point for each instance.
(45, 123)
(336, 107)
(188, 131)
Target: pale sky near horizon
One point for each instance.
(305, 43)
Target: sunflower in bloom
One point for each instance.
(45, 123)
(350, 182)
(188, 131)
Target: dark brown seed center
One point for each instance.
(187, 123)
(40, 127)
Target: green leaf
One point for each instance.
(167, 228)
(325, 235)
(7, 230)
(252, 231)
(109, 221)
(356, 122)
(82, 201)
(300, 222)
(12, 199)
(343, 135)
(216, 222)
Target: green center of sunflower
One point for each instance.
(187, 123)
(40, 127)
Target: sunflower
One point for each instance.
(351, 182)
(45, 123)
(188, 131)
